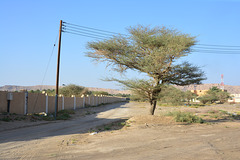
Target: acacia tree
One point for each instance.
(189, 96)
(215, 94)
(171, 95)
(152, 51)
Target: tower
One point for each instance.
(222, 83)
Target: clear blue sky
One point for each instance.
(29, 28)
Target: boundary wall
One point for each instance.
(24, 102)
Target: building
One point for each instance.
(235, 98)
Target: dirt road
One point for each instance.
(23, 142)
(150, 140)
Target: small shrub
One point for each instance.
(215, 116)
(223, 112)
(107, 128)
(91, 130)
(123, 123)
(212, 112)
(185, 117)
(66, 111)
(88, 113)
(6, 119)
(63, 116)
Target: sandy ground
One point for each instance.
(143, 136)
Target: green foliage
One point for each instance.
(6, 119)
(72, 89)
(50, 92)
(122, 95)
(189, 96)
(141, 89)
(223, 112)
(214, 94)
(61, 115)
(152, 51)
(99, 93)
(35, 91)
(174, 96)
(205, 99)
(135, 97)
(223, 96)
(113, 126)
(185, 117)
(171, 95)
(64, 114)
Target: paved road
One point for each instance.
(16, 144)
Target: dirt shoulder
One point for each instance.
(160, 137)
(159, 141)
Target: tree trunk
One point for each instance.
(153, 107)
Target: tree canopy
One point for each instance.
(73, 89)
(152, 51)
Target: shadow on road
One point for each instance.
(104, 116)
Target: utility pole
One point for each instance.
(58, 66)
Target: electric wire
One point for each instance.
(49, 60)
(45, 73)
(86, 30)
(215, 52)
(216, 45)
(104, 34)
(221, 49)
(85, 33)
(93, 28)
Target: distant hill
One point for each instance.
(13, 88)
(18, 88)
(229, 88)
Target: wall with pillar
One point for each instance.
(23, 102)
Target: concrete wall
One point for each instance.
(51, 104)
(36, 103)
(17, 105)
(3, 101)
(23, 102)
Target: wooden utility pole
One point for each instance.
(58, 66)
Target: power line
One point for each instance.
(104, 34)
(220, 49)
(92, 28)
(215, 52)
(216, 45)
(86, 30)
(45, 73)
(49, 59)
(85, 33)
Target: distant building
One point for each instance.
(235, 98)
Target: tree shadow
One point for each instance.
(228, 118)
